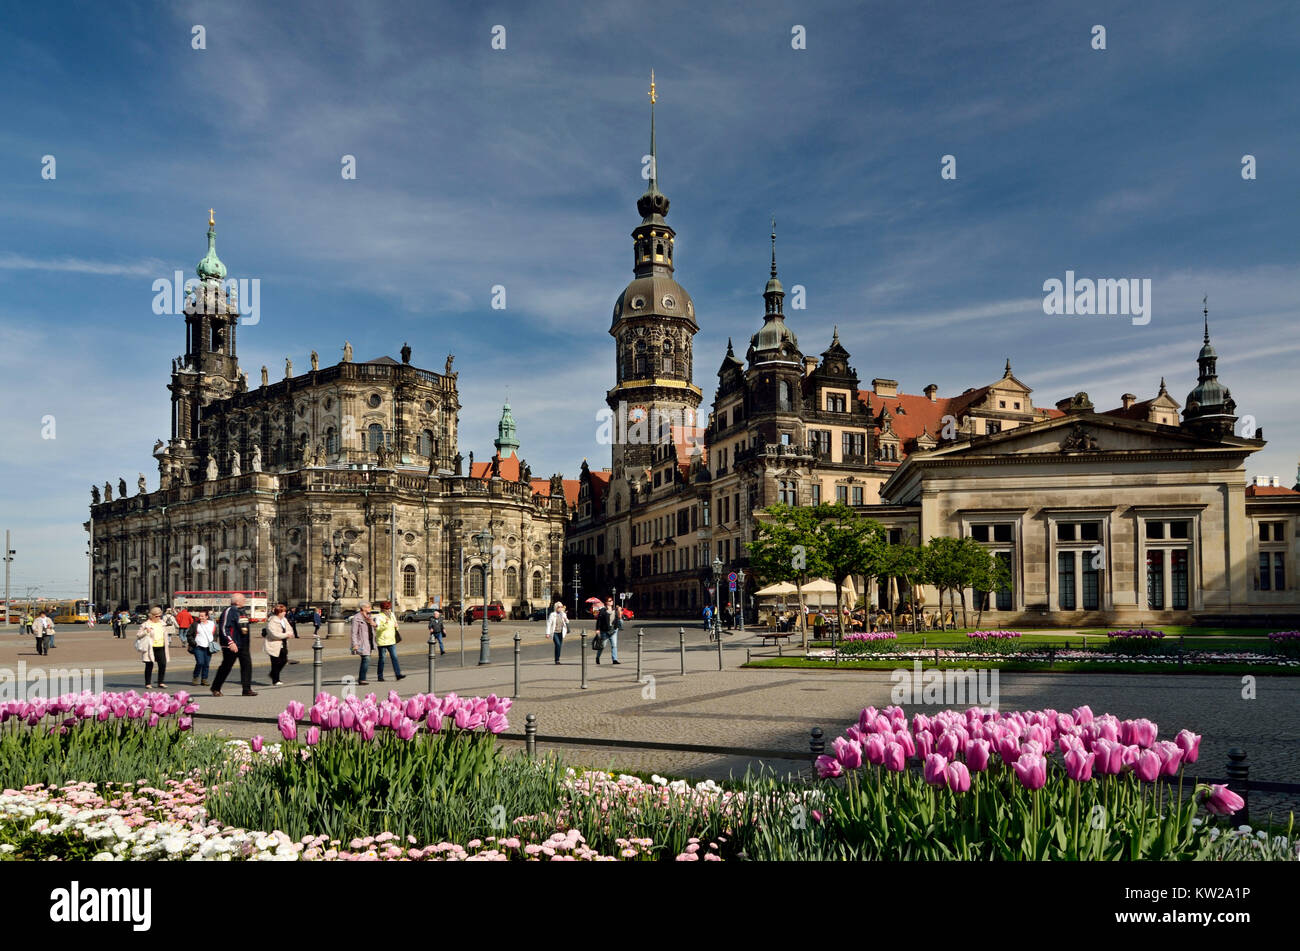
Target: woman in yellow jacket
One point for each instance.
(386, 639)
(151, 642)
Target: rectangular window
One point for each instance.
(853, 444)
(785, 439)
(1264, 531)
(1090, 531)
(857, 495)
(1091, 582)
(842, 494)
(979, 532)
(895, 536)
(817, 493)
(1178, 577)
(704, 513)
(819, 440)
(993, 427)
(1279, 571)
(1155, 529)
(1264, 576)
(1156, 576)
(835, 402)
(1180, 529)
(735, 505)
(1065, 531)
(1004, 596)
(1002, 533)
(1065, 579)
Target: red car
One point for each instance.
(495, 611)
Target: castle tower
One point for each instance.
(1210, 409)
(653, 328)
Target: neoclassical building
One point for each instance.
(256, 484)
(1139, 513)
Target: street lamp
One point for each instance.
(336, 553)
(717, 595)
(740, 576)
(484, 540)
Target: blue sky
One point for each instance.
(521, 167)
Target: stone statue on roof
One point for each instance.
(315, 361)
(347, 352)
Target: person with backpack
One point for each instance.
(708, 617)
(173, 626)
(42, 629)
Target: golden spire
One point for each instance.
(652, 87)
(212, 221)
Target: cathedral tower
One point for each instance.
(653, 328)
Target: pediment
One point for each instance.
(1086, 433)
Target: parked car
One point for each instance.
(538, 614)
(420, 614)
(302, 614)
(496, 612)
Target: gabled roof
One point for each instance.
(1258, 491)
(385, 361)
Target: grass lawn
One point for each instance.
(1020, 666)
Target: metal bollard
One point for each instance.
(681, 647)
(317, 668)
(719, 650)
(433, 642)
(639, 635)
(747, 657)
(530, 735)
(816, 745)
(1239, 777)
(584, 660)
(517, 640)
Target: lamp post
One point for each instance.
(577, 586)
(336, 552)
(740, 576)
(717, 596)
(9, 557)
(484, 540)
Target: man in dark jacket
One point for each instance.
(608, 623)
(235, 645)
(436, 630)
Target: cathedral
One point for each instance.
(1140, 513)
(349, 472)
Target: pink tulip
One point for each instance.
(257, 744)
(904, 739)
(406, 728)
(414, 708)
(934, 768)
(1147, 766)
(848, 752)
(153, 719)
(496, 723)
(977, 755)
(1031, 770)
(288, 726)
(184, 723)
(333, 719)
(1078, 764)
(866, 718)
(1008, 748)
(895, 758)
(1190, 744)
(1141, 733)
(347, 719)
(433, 721)
(828, 767)
(948, 745)
(924, 744)
(1171, 755)
(1082, 715)
(1222, 801)
(366, 729)
(295, 709)
(313, 735)
(958, 777)
(874, 749)
(920, 724)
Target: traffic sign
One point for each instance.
(732, 578)
(733, 586)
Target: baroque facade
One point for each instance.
(256, 485)
(1133, 514)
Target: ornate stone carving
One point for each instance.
(212, 469)
(234, 462)
(140, 484)
(1079, 440)
(347, 352)
(121, 488)
(94, 495)
(255, 463)
(315, 361)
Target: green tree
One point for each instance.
(787, 547)
(987, 575)
(945, 567)
(849, 544)
(903, 563)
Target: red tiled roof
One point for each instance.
(689, 441)
(1261, 490)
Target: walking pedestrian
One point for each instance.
(293, 628)
(151, 642)
(204, 636)
(173, 626)
(185, 621)
(437, 629)
(316, 622)
(608, 623)
(708, 617)
(123, 622)
(232, 634)
(386, 635)
(278, 631)
(557, 625)
(42, 628)
(363, 638)
(117, 625)
(28, 621)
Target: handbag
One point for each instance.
(398, 635)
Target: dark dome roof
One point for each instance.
(655, 294)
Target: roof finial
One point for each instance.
(835, 335)
(1007, 370)
(774, 245)
(212, 219)
(1205, 309)
(1162, 386)
(654, 159)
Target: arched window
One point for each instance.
(640, 357)
(512, 582)
(426, 443)
(784, 395)
(537, 586)
(408, 581)
(476, 581)
(668, 356)
(332, 441)
(376, 436)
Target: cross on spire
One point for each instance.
(774, 245)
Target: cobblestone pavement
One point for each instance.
(754, 708)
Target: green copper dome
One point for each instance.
(210, 266)
(507, 442)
